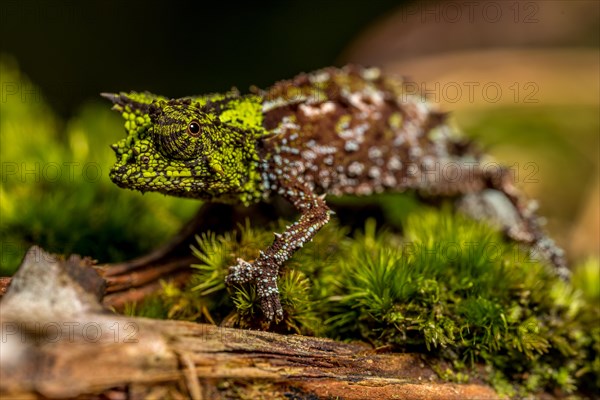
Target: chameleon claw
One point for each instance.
(240, 273)
(271, 307)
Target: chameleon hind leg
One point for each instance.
(490, 194)
(530, 231)
(263, 271)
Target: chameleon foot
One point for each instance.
(265, 281)
(271, 306)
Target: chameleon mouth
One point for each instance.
(128, 170)
(139, 171)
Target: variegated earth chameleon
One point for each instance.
(348, 131)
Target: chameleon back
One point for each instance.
(354, 131)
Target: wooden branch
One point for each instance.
(58, 342)
(141, 351)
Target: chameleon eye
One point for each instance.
(194, 128)
(177, 134)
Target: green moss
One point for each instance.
(55, 190)
(587, 279)
(448, 287)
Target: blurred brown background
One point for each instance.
(522, 77)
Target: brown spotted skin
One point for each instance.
(367, 136)
(353, 131)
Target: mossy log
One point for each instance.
(59, 342)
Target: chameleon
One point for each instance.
(335, 131)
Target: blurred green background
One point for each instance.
(55, 132)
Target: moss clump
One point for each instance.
(449, 287)
(304, 284)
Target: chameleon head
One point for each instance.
(175, 147)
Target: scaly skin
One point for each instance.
(335, 131)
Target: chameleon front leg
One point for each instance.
(263, 272)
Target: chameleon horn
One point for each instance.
(110, 96)
(135, 101)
